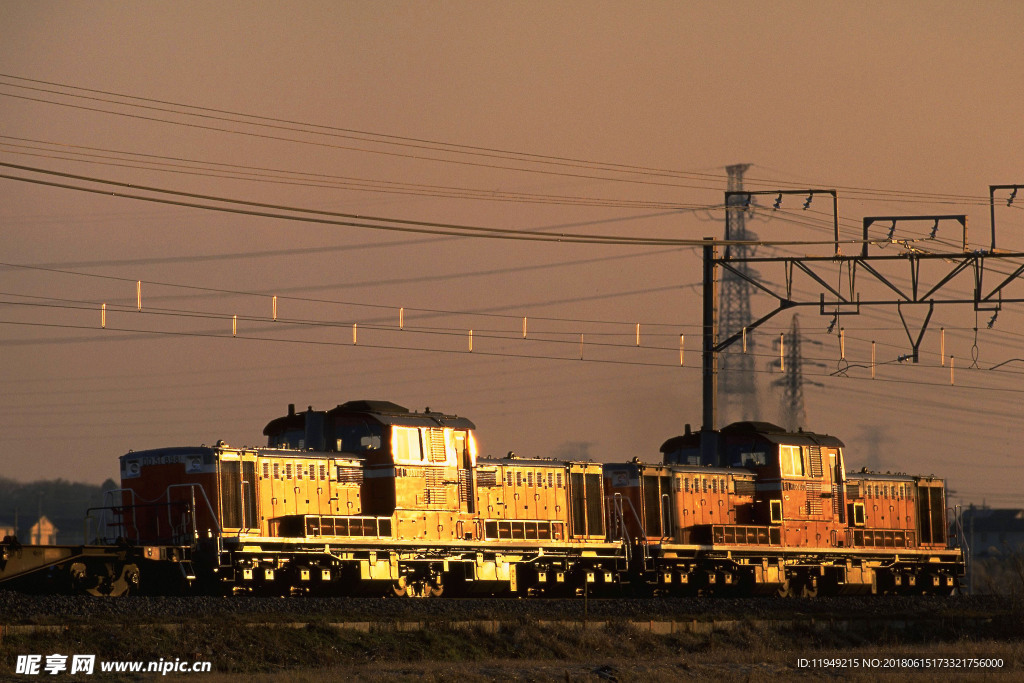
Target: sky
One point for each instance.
(365, 131)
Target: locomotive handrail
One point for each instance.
(209, 506)
(960, 534)
(119, 510)
(108, 496)
(955, 529)
(619, 515)
(666, 515)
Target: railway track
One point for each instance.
(18, 608)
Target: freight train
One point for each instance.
(370, 498)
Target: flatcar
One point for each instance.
(372, 498)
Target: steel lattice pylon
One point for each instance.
(737, 379)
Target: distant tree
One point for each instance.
(63, 502)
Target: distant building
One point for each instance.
(42, 532)
(994, 532)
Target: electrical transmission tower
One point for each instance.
(791, 360)
(737, 383)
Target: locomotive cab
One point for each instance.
(417, 468)
(800, 480)
(799, 477)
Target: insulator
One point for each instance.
(778, 202)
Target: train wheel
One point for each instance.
(809, 591)
(400, 587)
(786, 589)
(423, 589)
(111, 582)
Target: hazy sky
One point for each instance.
(611, 119)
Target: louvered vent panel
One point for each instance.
(815, 453)
(435, 445)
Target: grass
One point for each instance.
(520, 650)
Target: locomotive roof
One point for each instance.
(776, 434)
(205, 450)
(517, 461)
(389, 413)
(267, 451)
(171, 451)
(880, 476)
(756, 430)
(679, 468)
(384, 412)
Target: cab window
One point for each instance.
(792, 461)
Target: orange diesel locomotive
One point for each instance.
(371, 498)
(776, 513)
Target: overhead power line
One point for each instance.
(380, 223)
(630, 171)
(214, 169)
(318, 143)
(337, 131)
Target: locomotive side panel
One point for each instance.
(586, 501)
(163, 487)
(622, 484)
(883, 511)
(702, 501)
(293, 485)
(931, 512)
(529, 499)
